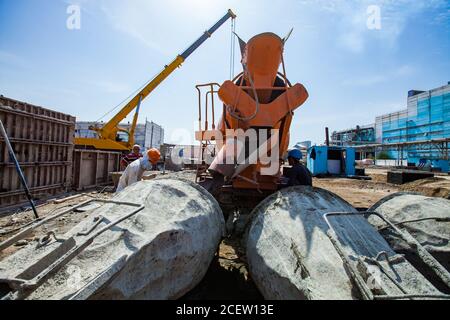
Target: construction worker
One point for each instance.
(298, 175)
(134, 172)
(154, 155)
(133, 156)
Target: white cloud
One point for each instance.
(366, 81)
(405, 70)
(352, 41)
(326, 5)
(110, 87)
(133, 21)
(351, 19)
(85, 5)
(12, 59)
(442, 18)
(373, 79)
(383, 107)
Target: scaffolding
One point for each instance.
(403, 148)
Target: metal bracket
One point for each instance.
(36, 274)
(423, 254)
(97, 221)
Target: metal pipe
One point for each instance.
(212, 106)
(19, 170)
(206, 112)
(37, 223)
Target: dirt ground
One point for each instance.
(365, 193)
(359, 193)
(17, 220)
(229, 268)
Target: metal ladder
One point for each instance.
(202, 166)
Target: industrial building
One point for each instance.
(417, 135)
(360, 135)
(427, 117)
(147, 135)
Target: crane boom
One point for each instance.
(108, 132)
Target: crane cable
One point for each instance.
(232, 48)
(255, 94)
(232, 68)
(128, 98)
(246, 72)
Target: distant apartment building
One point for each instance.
(147, 135)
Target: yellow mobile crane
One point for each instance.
(108, 134)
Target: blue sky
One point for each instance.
(352, 73)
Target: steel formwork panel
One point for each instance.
(42, 140)
(92, 168)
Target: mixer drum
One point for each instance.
(162, 252)
(292, 256)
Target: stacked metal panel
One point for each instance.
(43, 143)
(93, 168)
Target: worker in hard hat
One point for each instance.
(134, 172)
(154, 155)
(298, 175)
(131, 157)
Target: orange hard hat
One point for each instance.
(154, 155)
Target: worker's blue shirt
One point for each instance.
(298, 175)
